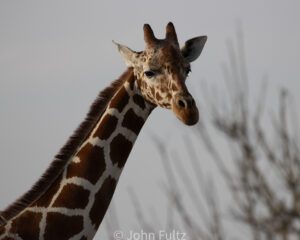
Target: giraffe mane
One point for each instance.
(67, 151)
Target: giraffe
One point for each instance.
(71, 198)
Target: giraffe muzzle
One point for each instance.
(185, 108)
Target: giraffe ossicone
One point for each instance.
(70, 200)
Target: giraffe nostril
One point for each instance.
(185, 102)
(181, 103)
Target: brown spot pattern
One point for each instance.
(46, 198)
(102, 200)
(152, 91)
(27, 225)
(139, 100)
(131, 84)
(132, 121)
(158, 97)
(72, 196)
(174, 87)
(91, 166)
(168, 69)
(2, 230)
(119, 150)
(120, 100)
(109, 122)
(166, 105)
(62, 227)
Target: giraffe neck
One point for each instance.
(76, 202)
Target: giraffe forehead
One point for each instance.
(163, 56)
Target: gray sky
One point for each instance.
(55, 56)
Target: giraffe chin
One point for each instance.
(188, 116)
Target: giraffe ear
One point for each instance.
(128, 55)
(193, 48)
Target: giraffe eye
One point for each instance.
(188, 70)
(149, 74)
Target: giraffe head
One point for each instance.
(161, 71)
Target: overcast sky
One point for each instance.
(55, 56)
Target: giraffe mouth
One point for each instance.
(185, 109)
